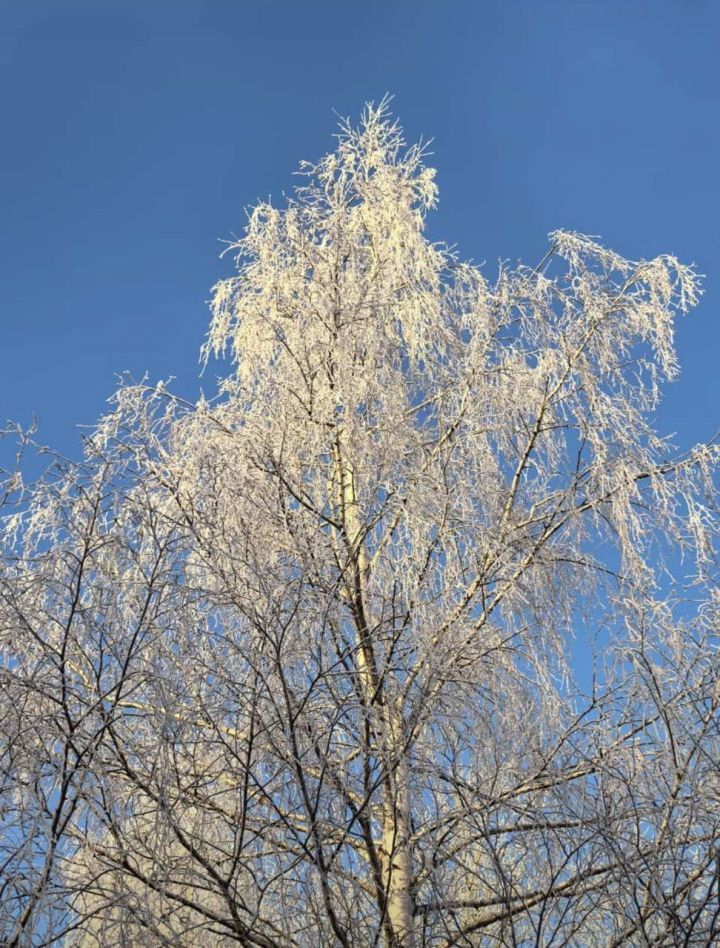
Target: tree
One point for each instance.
(408, 636)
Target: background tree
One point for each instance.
(407, 637)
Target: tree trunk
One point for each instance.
(397, 852)
(395, 846)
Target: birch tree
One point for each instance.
(406, 637)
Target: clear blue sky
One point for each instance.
(135, 132)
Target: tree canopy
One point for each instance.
(407, 636)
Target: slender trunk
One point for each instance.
(395, 847)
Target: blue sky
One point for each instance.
(135, 133)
